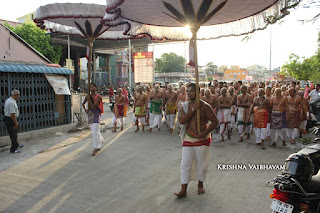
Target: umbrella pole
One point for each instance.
(89, 63)
(194, 35)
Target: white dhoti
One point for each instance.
(233, 121)
(224, 116)
(261, 134)
(233, 116)
(243, 129)
(194, 163)
(268, 130)
(97, 137)
(276, 133)
(170, 120)
(292, 133)
(114, 120)
(155, 120)
(141, 120)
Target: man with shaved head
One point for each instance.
(224, 113)
(293, 115)
(170, 103)
(118, 110)
(244, 113)
(156, 105)
(261, 111)
(278, 125)
(233, 107)
(140, 108)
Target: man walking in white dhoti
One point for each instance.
(195, 145)
(156, 106)
(170, 102)
(224, 113)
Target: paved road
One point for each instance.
(134, 172)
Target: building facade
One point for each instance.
(235, 74)
(25, 69)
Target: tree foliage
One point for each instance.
(304, 68)
(39, 40)
(211, 68)
(170, 62)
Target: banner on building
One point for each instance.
(143, 67)
(59, 84)
(248, 78)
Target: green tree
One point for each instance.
(210, 78)
(211, 68)
(303, 68)
(39, 40)
(170, 62)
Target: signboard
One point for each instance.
(59, 84)
(143, 67)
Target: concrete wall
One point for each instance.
(12, 50)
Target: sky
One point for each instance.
(288, 36)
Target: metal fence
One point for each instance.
(38, 104)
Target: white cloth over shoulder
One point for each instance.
(185, 106)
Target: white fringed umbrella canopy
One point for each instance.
(78, 19)
(206, 19)
(85, 20)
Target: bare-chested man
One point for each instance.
(95, 108)
(182, 97)
(233, 107)
(261, 108)
(118, 110)
(214, 98)
(156, 98)
(195, 148)
(207, 97)
(305, 107)
(202, 93)
(284, 91)
(224, 113)
(293, 115)
(170, 101)
(244, 112)
(180, 86)
(148, 93)
(269, 96)
(140, 108)
(273, 90)
(278, 117)
(236, 88)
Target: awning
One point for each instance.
(33, 68)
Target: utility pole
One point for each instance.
(270, 51)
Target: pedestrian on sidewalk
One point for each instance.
(11, 113)
(95, 108)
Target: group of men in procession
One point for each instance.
(270, 111)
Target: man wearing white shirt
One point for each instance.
(11, 114)
(314, 94)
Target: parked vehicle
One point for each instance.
(131, 100)
(297, 189)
